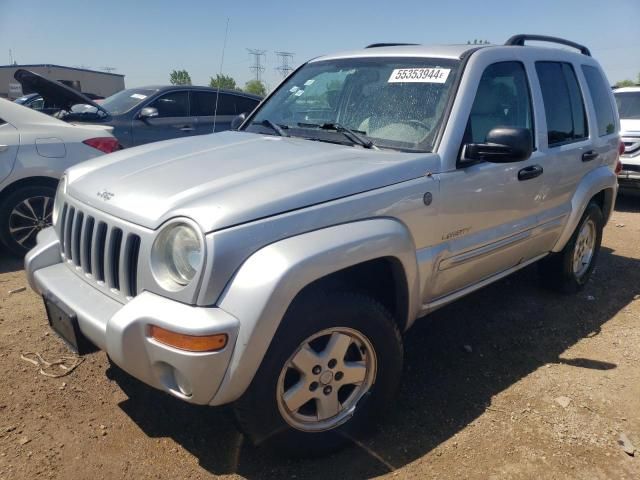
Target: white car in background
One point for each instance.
(35, 149)
(628, 100)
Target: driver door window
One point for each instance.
(502, 100)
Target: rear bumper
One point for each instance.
(122, 330)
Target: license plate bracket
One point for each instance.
(64, 322)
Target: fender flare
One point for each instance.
(596, 181)
(264, 286)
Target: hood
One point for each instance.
(54, 93)
(231, 177)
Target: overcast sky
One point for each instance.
(145, 40)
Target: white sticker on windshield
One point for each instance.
(139, 96)
(419, 75)
(294, 89)
(309, 82)
(299, 92)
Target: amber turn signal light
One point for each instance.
(191, 343)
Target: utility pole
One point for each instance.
(257, 66)
(285, 60)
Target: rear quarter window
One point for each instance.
(601, 100)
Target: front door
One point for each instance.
(488, 211)
(173, 120)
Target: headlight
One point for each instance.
(176, 255)
(57, 203)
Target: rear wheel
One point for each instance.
(330, 373)
(569, 270)
(23, 213)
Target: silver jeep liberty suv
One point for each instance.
(278, 266)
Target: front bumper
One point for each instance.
(629, 177)
(122, 330)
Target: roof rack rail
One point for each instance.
(376, 45)
(520, 39)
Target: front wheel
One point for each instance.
(330, 372)
(23, 213)
(569, 270)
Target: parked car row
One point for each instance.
(141, 115)
(34, 151)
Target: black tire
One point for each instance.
(557, 271)
(258, 413)
(14, 241)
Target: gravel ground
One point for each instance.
(510, 382)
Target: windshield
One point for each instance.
(393, 102)
(628, 104)
(125, 100)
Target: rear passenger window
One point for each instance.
(563, 103)
(502, 100)
(226, 104)
(202, 103)
(601, 100)
(245, 104)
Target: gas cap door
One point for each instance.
(9, 142)
(51, 147)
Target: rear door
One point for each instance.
(173, 120)
(9, 142)
(564, 141)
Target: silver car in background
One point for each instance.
(35, 149)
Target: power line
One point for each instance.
(285, 59)
(258, 66)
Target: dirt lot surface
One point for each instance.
(510, 382)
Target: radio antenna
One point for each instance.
(224, 46)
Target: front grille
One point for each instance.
(630, 167)
(103, 252)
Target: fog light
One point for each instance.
(191, 343)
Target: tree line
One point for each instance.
(227, 82)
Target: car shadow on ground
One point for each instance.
(456, 361)
(9, 263)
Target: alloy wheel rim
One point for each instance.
(322, 382)
(28, 218)
(584, 248)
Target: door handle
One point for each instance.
(532, 171)
(590, 155)
(4, 148)
(187, 128)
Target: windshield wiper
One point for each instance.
(353, 135)
(275, 127)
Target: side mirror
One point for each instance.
(503, 145)
(238, 120)
(148, 112)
